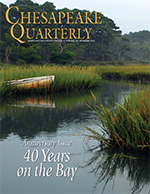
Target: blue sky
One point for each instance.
(129, 15)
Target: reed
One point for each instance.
(67, 78)
(127, 125)
(127, 72)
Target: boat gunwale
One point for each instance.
(33, 79)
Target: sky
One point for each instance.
(129, 15)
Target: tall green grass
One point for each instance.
(132, 72)
(127, 125)
(66, 78)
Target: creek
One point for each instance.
(43, 148)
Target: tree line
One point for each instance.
(108, 43)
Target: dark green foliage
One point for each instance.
(29, 54)
(140, 45)
(103, 34)
(120, 63)
(108, 45)
(63, 58)
(61, 54)
(4, 26)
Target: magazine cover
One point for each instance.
(74, 103)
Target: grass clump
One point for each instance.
(126, 72)
(67, 79)
(128, 125)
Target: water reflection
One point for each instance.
(59, 116)
(35, 102)
(106, 164)
(29, 115)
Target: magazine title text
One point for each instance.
(64, 22)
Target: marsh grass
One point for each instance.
(132, 72)
(128, 125)
(128, 71)
(67, 78)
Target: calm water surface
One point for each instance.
(43, 149)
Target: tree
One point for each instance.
(4, 26)
(103, 35)
(101, 50)
(61, 54)
(8, 45)
(29, 54)
(140, 45)
(120, 48)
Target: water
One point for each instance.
(44, 150)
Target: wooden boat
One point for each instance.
(34, 82)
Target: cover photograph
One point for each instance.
(74, 97)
